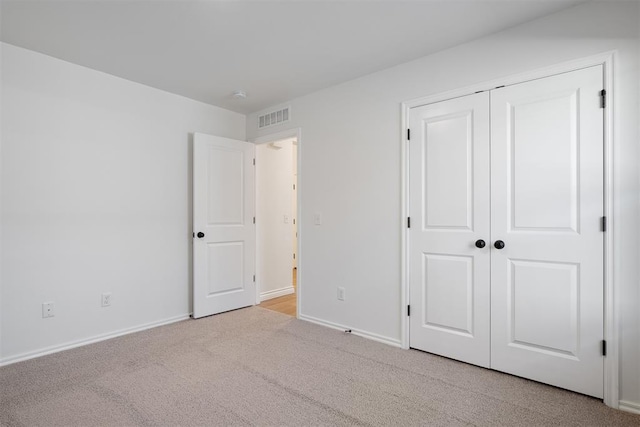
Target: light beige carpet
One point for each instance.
(259, 367)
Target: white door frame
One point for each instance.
(611, 318)
(273, 137)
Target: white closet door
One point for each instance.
(449, 210)
(547, 204)
(224, 240)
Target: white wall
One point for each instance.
(274, 194)
(350, 167)
(95, 189)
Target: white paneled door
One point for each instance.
(224, 231)
(546, 208)
(521, 168)
(449, 234)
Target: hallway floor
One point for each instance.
(285, 304)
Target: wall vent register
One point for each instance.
(274, 118)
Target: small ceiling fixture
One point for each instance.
(239, 94)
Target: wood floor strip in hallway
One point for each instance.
(285, 304)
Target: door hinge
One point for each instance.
(294, 221)
(294, 186)
(604, 347)
(254, 219)
(408, 134)
(408, 310)
(254, 162)
(603, 98)
(254, 277)
(408, 222)
(603, 223)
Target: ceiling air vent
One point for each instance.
(274, 118)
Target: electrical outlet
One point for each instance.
(48, 310)
(341, 293)
(285, 219)
(106, 299)
(317, 218)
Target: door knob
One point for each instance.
(480, 243)
(200, 234)
(499, 244)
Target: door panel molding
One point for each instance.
(611, 304)
(434, 317)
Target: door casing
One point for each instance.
(611, 318)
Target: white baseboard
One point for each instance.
(629, 407)
(361, 333)
(287, 290)
(79, 343)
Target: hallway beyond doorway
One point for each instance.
(287, 303)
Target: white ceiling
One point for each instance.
(273, 50)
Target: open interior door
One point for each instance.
(223, 225)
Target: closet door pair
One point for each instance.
(506, 249)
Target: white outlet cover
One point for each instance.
(317, 218)
(341, 294)
(48, 310)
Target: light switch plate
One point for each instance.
(106, 299)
